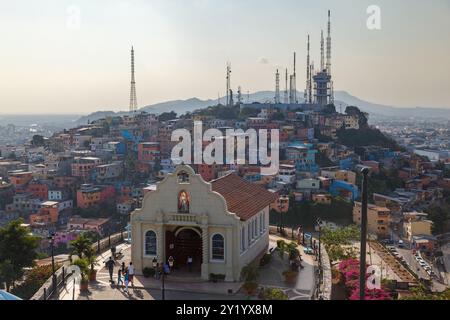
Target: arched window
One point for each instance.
(150, 243)
(218, 247)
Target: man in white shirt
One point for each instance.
(131, 273)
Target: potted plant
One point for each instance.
(148, 272)
(250, 274)
(250, 288)
(290, 276)
(83, 264)
(281, 247)
(91, 257)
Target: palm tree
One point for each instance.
(80, 246)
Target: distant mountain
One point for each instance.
(342, 99)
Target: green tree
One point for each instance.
(80, 246)
(17, 251)
(7, 274)
(338, 242)
(166, 116)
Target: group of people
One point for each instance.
(125, 274)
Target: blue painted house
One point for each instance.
(344, 189)
(303, 155)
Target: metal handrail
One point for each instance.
(46, 290)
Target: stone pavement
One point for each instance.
(183, 286)
(271, 275)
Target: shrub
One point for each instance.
(274, 294)
(34, 280)
(281, 244)
(216, 277)
(148, 272)
(250, 273)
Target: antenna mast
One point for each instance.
(229, 99)
(277, 88)
(286, 97)
(308, 78)
(294, 93)
(329, 44)
(322, 57)
(133, 100)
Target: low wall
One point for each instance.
(103, 245)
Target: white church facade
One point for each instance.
(222, 225)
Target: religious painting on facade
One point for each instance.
(183, 202)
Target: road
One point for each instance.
(412, 263)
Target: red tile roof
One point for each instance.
(243, 198)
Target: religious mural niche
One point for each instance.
(183, 202)
(183, 177)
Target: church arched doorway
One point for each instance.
(182, 243)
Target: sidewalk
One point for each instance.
(272, 274)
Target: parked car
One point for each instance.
(422, 263)
(427, 268)
(308, 250)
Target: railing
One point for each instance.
(189, 218)
(323, 277)
(54, 284)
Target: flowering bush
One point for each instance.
(350, 272)
(373, 294)
(348, 265)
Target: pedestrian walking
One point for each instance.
(131, 274)
(123, 267)
(126, 280)
(189, 263)
(170, 261)
(119, 277)
(110, 265)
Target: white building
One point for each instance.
(223, 224)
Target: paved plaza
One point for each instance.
(185, 286)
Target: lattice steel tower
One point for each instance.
(133, 100)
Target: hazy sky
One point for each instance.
(49, 63)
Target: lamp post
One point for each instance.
(163, 289)
(319, 227)
(362, 258)
(52, 241)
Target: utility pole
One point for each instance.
(362, 258)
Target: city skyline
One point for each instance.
(57, 63)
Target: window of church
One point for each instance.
(218, 247)
(150, 243)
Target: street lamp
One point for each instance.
(319, 227)
(52, 240)
(163, 289)
(362, 258)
